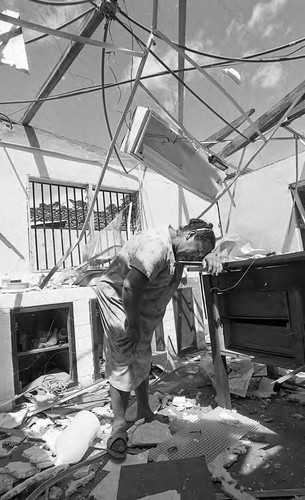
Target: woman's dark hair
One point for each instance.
(203, 228)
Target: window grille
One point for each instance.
(57, 214)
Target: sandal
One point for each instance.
(116, 435)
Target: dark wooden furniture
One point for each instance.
(256, 307)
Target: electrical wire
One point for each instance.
(104, 97)
(95, 88)
(3, 116)
(248, 58)
(185, 85)
(235, 284)
(40, 37)
(61, 4)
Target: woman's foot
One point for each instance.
(149, 416)
(117, 441)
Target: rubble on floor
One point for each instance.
(196, 427)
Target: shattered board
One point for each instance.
(177, 479)
(212, 434)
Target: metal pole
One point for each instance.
(181, 40)
(209, 77)
(150, 41)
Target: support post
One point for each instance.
(219, 361)
(181, 39)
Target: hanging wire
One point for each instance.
(62, 4)
(248, 58)
(235, 284)
(6, 118)
(96, 88)
(185, 85)
(40, 37)
(104, 96)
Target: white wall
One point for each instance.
(16, 167)
(263, 205)
(162, 201)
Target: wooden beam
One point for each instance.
(226, 130)
(68, 36)
(293, 131)
(87, 28)
(265, 122)
(297, 111)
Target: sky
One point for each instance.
(228, 28)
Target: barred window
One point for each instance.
(57, 214)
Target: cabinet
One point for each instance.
(257, 307)
(184, 320)
(43, 342)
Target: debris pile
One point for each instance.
(34, 448)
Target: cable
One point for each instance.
(95, 88)
(40, 37)
(6, 118)
(248, 58)
(104, 97)
(62, 4)
(237, 283)
(185, 85)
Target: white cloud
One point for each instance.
(263, 12)
(269, 30)
(268, 75)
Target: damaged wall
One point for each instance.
(162, 201)
(263, 205)
(30, 153)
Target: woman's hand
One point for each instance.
(212, 263)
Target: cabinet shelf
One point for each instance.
(255, 318)
(43, 349)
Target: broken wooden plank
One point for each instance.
(91, 388)
(265, 122)
(226, 130)
(34, 481)
(285, 493)
(288, 376)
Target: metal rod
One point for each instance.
(64, 34)
(83, 211)
(76, 223)
(181, 40)
(35, 227)
(234, 190)
(52, 221)
(44, 227)
(154, 23)
(209, 77)
(69, 224)
(60, 220)
(150, 41)
(282, 119)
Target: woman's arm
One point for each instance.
(133, 286)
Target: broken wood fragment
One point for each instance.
(34, 481)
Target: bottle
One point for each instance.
(73, 442)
